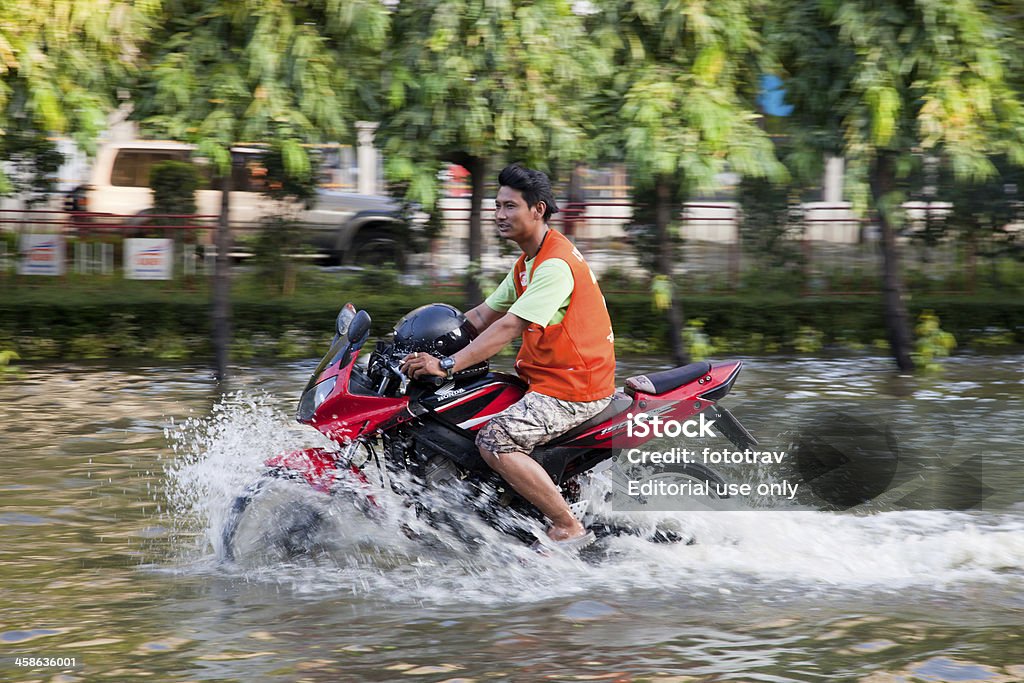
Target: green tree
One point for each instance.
(882, 82)
(981, 213)
(470, 81)
(174, 185)
(769, 217)
(281, 231)
(34, 160)
(678, 107)
(61, 62)
(225, 71)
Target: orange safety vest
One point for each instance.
(575, 359)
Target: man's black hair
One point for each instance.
(534, 185)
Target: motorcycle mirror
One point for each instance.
(345, 316)
(359, 329)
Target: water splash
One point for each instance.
(395, 556)
(217, 456)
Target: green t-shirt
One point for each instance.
(545, 301)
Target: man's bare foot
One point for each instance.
(559, 532)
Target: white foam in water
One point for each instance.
(218, 456)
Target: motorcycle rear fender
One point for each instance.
(682, 403)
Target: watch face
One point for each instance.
(447, 363)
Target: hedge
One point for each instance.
(156, 323)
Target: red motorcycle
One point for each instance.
(417, 438)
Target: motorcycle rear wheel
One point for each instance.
(699, 473)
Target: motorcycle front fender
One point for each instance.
(319, 467)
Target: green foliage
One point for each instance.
(289, 175)
(150, 320)
(932, 341)
(633, 346)
(993, 337)
(221, 72)
(61, 63)
(616, 279)
(883, 83)
(467, 79)
(642, 228)
(290, 182)
(808, 340)
(90, 347)
(168, 344)
(903, 76)
(272, 248)
(770, 223)
(661, 292)
(698, 345)
(33, 164)
(677, 105)
(983, 209)
(6, 368)
(293, 343)
(174, 185)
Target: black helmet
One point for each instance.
(437, 329)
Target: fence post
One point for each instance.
(806, 248)
(188, 254)
(734, 259)
(81, 258)
(209, 259)
(106, 258)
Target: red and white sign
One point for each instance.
(41, 255)
(148, 259)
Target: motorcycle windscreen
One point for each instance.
(339, 354)
(340, 347)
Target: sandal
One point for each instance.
(568, 546)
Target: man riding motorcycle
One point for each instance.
(551, 298)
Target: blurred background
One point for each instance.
(850, 167)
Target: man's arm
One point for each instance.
(491, 340)
(482, 317)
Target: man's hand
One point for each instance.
(420, 365)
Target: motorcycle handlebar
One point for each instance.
(395, 369)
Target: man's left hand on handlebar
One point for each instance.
(418, 365)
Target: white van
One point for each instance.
(357, 228)
(119, 181)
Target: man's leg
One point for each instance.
(530, 481)
(506, 441)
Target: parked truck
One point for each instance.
(344, 226)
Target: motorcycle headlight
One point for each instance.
(312, 398)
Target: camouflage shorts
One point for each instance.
(534, 420)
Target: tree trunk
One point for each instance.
(477, 167)
(897, 323)
(222, 284)
(666, 265)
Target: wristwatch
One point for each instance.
(448, 364)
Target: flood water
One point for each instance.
(114, 476)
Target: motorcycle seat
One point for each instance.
(666, 380)
(620, 402)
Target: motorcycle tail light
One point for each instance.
(722, 389)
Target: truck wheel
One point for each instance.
(377, 250)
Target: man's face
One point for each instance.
(515, 220)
